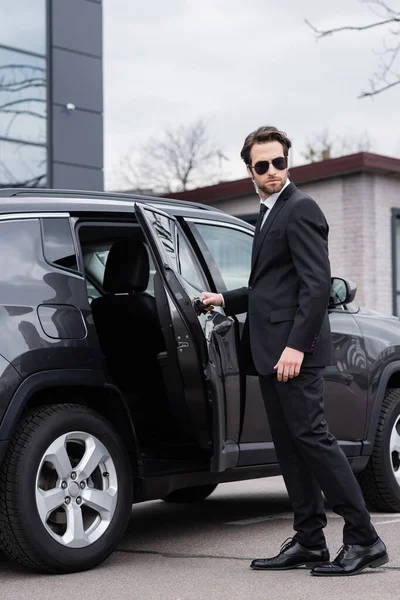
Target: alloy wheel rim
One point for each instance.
(394, 447)
(76, 489)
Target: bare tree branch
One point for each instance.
(23, 66)
(385, 78)
(326, 32)
(323, 145)
(19, 86)
(376, 91)
(31, 113)
(382, 4)
(14, 102)
(30, 183)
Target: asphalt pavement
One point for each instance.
(203, 551)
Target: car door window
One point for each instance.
(230, 249)
(188, 267)
(179, 254)
(58, 244)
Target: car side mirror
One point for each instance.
(343, 291)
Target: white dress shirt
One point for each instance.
(270, 201)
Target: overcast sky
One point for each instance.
(240, 64)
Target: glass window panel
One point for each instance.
(23, 24)
(22, 165)
(188, 268)
(178, 253)
(22, 96)
(165, 230)
(231, 250)
(58, 244)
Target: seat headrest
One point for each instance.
(127, 267)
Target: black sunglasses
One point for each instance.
(262, 166)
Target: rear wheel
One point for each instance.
(191, 494)
(380, 480)
(65, 490)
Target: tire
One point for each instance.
(380, 480)
(191, 494)
(44, 489)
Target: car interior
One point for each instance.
(120, 276)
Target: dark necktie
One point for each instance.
(263, 210)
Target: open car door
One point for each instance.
(203, 348)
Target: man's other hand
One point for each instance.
(210, 298)
(289, 364)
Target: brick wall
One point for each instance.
(239, 206)
(359, 211)
(387, 196)
(348, 204)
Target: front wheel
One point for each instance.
(191, 494)
(65, 490)
(380, 480)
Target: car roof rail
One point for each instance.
(64, 193)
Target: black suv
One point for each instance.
(116, 389)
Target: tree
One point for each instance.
(387, 75)
(173, 161)
(322, 146)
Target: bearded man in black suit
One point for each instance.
(287, 341)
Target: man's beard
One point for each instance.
(272, 188)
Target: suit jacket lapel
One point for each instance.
(258, 241)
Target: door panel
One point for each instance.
(255, 426)
(205, 347)
(182, 378)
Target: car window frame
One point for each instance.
(49, 220)
(95, 220)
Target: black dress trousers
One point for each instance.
(311, 460)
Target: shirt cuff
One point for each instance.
(223, 301)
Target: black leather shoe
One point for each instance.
(353, 559)
(291, 556)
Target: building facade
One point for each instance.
(360, 196)
(51, 94)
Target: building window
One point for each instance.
(22, 165)
(23, 97)
(23, 25)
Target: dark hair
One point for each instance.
(266, 133)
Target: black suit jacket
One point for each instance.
(289, 287)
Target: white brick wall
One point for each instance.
(387, 196)
(362, 252)
(330, 199)
(239, 206)
(358, 209)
